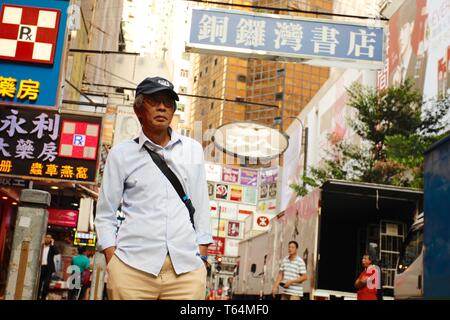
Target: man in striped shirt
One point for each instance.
(293, 274)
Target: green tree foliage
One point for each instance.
(396, 126)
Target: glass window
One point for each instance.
(183, 89)
(411, 250)
(186, 56)
(184, 73)
(181, 107)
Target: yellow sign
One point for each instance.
(52, 170)
(28, 89)
(67, 172)
(5, 166)
(82, 173)
(36, 169)
(7, 87)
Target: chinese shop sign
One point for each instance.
(32, 35)
(266, 36)
(47, 145)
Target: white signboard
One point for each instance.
(127, 125)
(231, 248)
(213, 172)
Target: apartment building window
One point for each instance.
(241, 78)
(195, 79)
(212, 105)
(206, 70)
(210, 126)
(201, 74)
(186, 56)
(183, 90)
(181, 107)
(185, 132)
(184, 73)
(215, 62)
(214, 83)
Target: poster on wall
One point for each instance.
(249, 178)
(222, 191)
(228, 211)
(213, 209)
(249, 195)
(234, 229)
(245, 211)
(419, 42)
(261, 222)
(272, 190)
(211, 188)
(236, 193)
(213, 172)
(218, 227)
(268, 206)
(263, 191)
(217, 247)
(231, 248)
(127, 125)
(269, 176)
(230, 175)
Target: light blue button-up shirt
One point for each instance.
(156, 220)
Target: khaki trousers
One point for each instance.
(127, 283)
(289, 297)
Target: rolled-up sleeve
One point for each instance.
(200, 199)
(110, 196)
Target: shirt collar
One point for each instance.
(174, 138)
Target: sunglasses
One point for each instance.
(156, 101)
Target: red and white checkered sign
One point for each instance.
(28, 34)
(79, 140)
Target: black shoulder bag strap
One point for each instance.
(162, 165)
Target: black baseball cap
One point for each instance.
(156, 84)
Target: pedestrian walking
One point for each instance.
(81, 271)
(291, 275)
(47, 266)
(158, 179)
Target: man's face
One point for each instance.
(48, 239)
(157, 111)
(292, 249)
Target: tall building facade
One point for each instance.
(152, 28)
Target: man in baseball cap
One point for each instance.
(162, 250)
(155, 105)
(156, 84)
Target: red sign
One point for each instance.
(262, 221)
(218, 247)
(79, 140)
(28, 34)
(64, 218)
